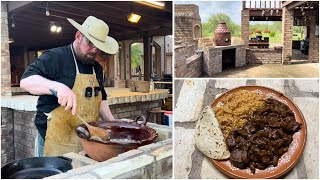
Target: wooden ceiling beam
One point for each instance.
(71, 7)
(292, 5)
(144, 11)
(16, 6)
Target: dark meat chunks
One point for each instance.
(264, 138)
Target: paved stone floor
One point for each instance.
(298, 69)
(192, 95)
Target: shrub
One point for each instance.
(272, 34)
(266, 31)
(257, 31)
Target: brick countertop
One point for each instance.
(115, 96)
(191, 163)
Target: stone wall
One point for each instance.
(287, 25)
(241, 56)
(7, 148)
(186, 16)
(264, 56)
(19, 132)
(5, 53)
(132, 110)
(187, 64)
(212, 58)
(314, 42)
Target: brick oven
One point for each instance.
(218, 58)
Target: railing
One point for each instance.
(261, 5)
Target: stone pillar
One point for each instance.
(5, 52)
(313, 41)
(122, 57)
(245, 19)
(147, 55)
(287, 25)
(116, 65)
(127, 59)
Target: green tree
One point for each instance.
(300, 29)
(209, 27)
(136, 55)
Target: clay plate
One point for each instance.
(288, 160)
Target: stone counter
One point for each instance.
(115, 96)
(190, 163)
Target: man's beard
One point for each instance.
(88, 58)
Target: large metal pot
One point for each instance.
(124, 136)
(222, 35)
(35, 168)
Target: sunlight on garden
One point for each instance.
(270, 29)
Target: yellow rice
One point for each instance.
(236, 109)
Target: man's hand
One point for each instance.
(39, 85)
(66, 98)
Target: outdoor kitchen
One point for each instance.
(206, 56)
(142, 106)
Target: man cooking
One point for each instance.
(77, 77)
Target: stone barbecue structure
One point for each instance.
(197, 57)
(218, 58)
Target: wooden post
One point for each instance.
(147, 51)
(255, 4)
(265, 4)
(250, 4)
(274, 4)
(270, 4)
(243, 5)
(279, 4)
(260, 4)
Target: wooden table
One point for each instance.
(259, 44)
(160, 84)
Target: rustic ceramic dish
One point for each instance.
(129, 135)
(288, 160)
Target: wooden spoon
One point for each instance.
(96, 133)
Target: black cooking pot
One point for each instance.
(35, 168)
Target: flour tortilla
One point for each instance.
(209, 138)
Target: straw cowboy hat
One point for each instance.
(97, 32)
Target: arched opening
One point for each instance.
(196, 31)
(137, 68)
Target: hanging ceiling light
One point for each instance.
(47, 10)
(134, 18)
(10, 40)
(13, 22)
